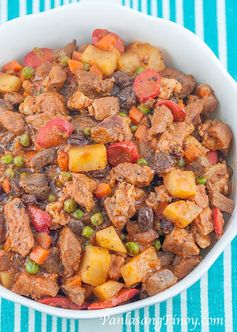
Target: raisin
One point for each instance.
(145, 219)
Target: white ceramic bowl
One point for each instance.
(182, 49)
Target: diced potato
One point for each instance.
(107, 290)
(138, 267)
(180, 184)
(141, 55)
(182, 213)
(193, 149)
(108, 238)
(7, 279)
(95, 265)
(9, 83)
(87, 158)
(106, 61)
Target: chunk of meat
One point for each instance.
(70, 86)
(209, 100)
(161, 119)
(199, 166)
(43, 158)
(117, 262)
(19, 233)
(12, 121)
(159, 281)
(112, 129)
(132, 173)
(92, 84)
(81, 189)
(52, 263)
(187, 81)
(121, 206)
(204, 222)
(166, 259)
(5, 260)
(74, 291)
(216, 135)
(35, 184)
(222, 202)
(43, 108)
(180, 242)
(35, 286)
(184, 265)
(80, 122)
(2, 229)
(70, 251)
(15, 98)
(59, 217)
(201, 197)
(56, 78)
(67, 49)
(168, 87)
(135, 234)
(104, 107)
(217, 178)
(203, 241)
(171, 141)
(78, 101)
(193, 111)
(162, 162)
(159, 199)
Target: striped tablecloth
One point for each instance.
(210, 304)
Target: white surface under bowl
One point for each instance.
(182, 49)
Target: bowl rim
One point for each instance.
(214, 253)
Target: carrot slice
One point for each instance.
(62, 160)
(135, 115)
(12, 66)
(74, 65)
(103, 190)
(39, 255)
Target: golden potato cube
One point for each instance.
(141, 55)
(180, 184)
(9, 83)
(107, 290)
(108, 238)
(137, 268)
(87, 158)
(7, 279)
(95, 265)
(107, 61)
(182, 213)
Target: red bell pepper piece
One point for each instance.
(99, 40)
(218, 222)
(62, 302)
(40, 219)
(38, 56)
(123, 296)
(147, 85)
(212, 157)
(121, 152)
(178, 113)
(54, 133)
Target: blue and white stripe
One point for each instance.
(215, 295)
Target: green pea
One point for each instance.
(78, 214)
(139, 70)
(143, 108)
(123, 114)
(19, 161)
(133, 128)
(10, 173)
(64, 60)
(132, 248)
(87, 131)
(157, 244)
(27, 72)
(65, 176)
(142, 162)
(25, 140)
(86, 66)
(87, 231)
(7, 159)
(32, 267)
(97, 219)
(181, 162)
(201, 180)
(70, 205)
(51, 198)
